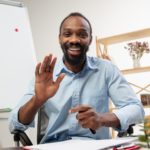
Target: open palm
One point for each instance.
(45, 87)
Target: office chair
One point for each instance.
(20, 137)
(129, 131)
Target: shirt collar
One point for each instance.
(90, 64)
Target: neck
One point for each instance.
(74, 68)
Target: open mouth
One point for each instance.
(74, 51)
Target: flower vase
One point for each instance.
(136, 63)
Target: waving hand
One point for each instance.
(45, 87)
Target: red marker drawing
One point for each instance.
(16, 30)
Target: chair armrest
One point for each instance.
(21, 137)
(129, 131)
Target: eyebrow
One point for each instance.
(81, 29)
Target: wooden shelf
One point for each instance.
(148, 106)
(102, 48)
(125, 37)
(122, 38)
(136, 70)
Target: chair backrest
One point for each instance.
(42, 124)
(21, 137)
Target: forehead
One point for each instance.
(75, 23)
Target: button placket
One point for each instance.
(75, 102)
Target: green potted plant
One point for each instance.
(146, 130)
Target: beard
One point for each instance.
(74, 59)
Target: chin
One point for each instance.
(75, 60)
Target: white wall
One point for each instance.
(108, 17)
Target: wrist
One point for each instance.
(102, 121)
(36, 102)
(109, 120)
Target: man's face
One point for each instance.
(75, 38)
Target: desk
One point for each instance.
(76, 144)
(13, 148)
(88, 144)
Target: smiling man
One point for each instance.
(75, 38)
(74, 93)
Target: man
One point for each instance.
(74, 93)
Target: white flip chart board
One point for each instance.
(17, 56)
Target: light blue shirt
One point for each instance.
(95, 85)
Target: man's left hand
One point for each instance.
(87, 116)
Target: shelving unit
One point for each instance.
(102, 52)
(103, 43)
(136, 70)
(120, 38)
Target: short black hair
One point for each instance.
(75, 14)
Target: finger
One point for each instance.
(44, 64)
(79, 108)
(48, 63)
(50, 57)
(80, 116)
(88, 123)
(84, 124)
(85, 114)
(60, 78)
(37, 69)
(51, 67)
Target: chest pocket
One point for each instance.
(97, 100)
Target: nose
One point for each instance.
(74, 39)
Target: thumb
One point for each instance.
(60, 78)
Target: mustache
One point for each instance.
(76, 45)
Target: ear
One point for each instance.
(59, 39)
(91, 38)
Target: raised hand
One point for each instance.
(45, 87)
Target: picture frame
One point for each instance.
(145, 99)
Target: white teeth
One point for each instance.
(74, 49)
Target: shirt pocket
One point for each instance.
(98, 101)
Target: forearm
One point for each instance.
(28, 111)
(109, 120)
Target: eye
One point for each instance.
(83, 34)
(66, 34)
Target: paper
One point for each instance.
(88, 144)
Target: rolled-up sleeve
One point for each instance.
(13, 118)
(129, 109)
